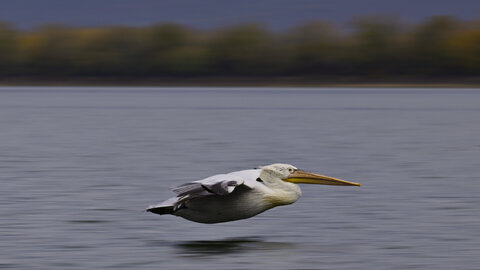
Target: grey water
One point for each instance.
(79, 165)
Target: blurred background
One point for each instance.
(240, 41)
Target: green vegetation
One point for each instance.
(374, 48)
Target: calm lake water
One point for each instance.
(79, 165)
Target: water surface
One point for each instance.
(79, 165)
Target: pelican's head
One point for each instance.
(289, 173)
(282, 179)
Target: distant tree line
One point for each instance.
(372, 47)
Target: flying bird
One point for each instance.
(241, 194)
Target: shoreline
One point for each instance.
(243, 82)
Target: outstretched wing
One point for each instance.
(221, 184)
(217, 185)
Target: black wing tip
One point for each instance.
(162, 210)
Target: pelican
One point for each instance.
(241, 194)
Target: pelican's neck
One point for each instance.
(280, 192)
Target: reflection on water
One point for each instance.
(228, 246)
(79, 165)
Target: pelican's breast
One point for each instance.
(280, 197)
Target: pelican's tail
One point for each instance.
(164, 208)
(161, 210)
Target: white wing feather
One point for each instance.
(219, 185)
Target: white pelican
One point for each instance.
(241, 194)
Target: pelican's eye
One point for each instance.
(290, 170)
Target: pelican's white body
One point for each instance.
(251, 192)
